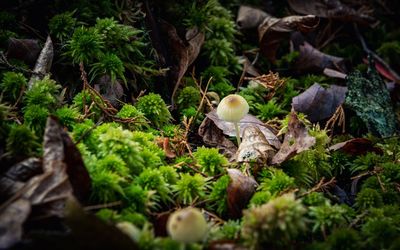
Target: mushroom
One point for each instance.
(233, 108)
(187, 225)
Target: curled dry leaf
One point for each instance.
(26, 50)
(356, 147)
(248, 120)
(330, 9)
(213, 136)
(183, 52)
(272, 30)
(240, 190)
(43, 63)
(311, 59)
(319, 103)
(254, 147)
(11, 220)
(296, 140)
(249, 17)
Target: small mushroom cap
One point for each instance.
(187, 225)
(232, 108)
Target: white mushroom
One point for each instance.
(233, 108)
(187, 225)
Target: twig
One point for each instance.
(374, 55)
(339, 117)
(99, 206)
(321, 185)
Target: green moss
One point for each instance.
(108, 64)
(12, 86)
(276, 182)
(67, 116)
(328, 217)
(35, 117)
(210, 160)
(367, 198)
(130, 112)
(63, 25)
(188, 97)
(44, 93)
(21, 141)
(106, 186)
(219, 195)
(189, 188)
(259, 198)
(152, 179)
(154, 108)
(344, 239)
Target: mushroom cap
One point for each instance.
(232, 108)
(187, 225)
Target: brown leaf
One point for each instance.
(249, 17)
(296, 140)
(213, 136)
(110, 91)
(311, 59)
(356, 147)
(248, 120)
(330, 9)
(319, 103)
(254, 147)
(14, 179)
(248, 66)
(272, 30)
(240, 190)
(184, 52)
(43, 63)
(26, 50)
(12, 219)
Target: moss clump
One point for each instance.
(154, 108)
(210, 160)
(189, 188)
(21, 141)
(128, 111)
(12, 86)
(62, 26)
(219, 195)
(188, 97)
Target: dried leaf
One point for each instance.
(248, 120)
(356, 147)
(311, 59)
(272, 30)
(43, 63)
(14, 179)
(240, 190)
(111, 91)
(254, 147)
(26, 50)
(248, 66)
(12, 219)
(330, 9)
(184, 52)
(319, 103)
(249, 17)
(213, 136)
(334, 73)
(296, 140)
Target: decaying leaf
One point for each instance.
(26, 50)
(254, 147)
(296, 140)
(330, 9)
(184, 52)
(249, 17)
(311, 59)
(369, 98)
(248, 67)
(11, 220)
(240, 190)
(272, 30)
(319, 103)
(111, 91)
(17, 175)
(43, 63)
(356, 147)
(213, 136)
(248, 120)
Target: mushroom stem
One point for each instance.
(237, 132)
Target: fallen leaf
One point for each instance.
(240, 190)
(296, 140)
(17, 175)
(334, 73)
(183, 52)
(254, 147)
(214, 137)
(311, 59)
(330, 9)
(273, 30)
(356, 147)
(319, 103)
(249, 17)
(383, 71)
(26, 50)
(248, 120)
(43, 62)
(12, 219)
(248, 66)
(111, 91)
